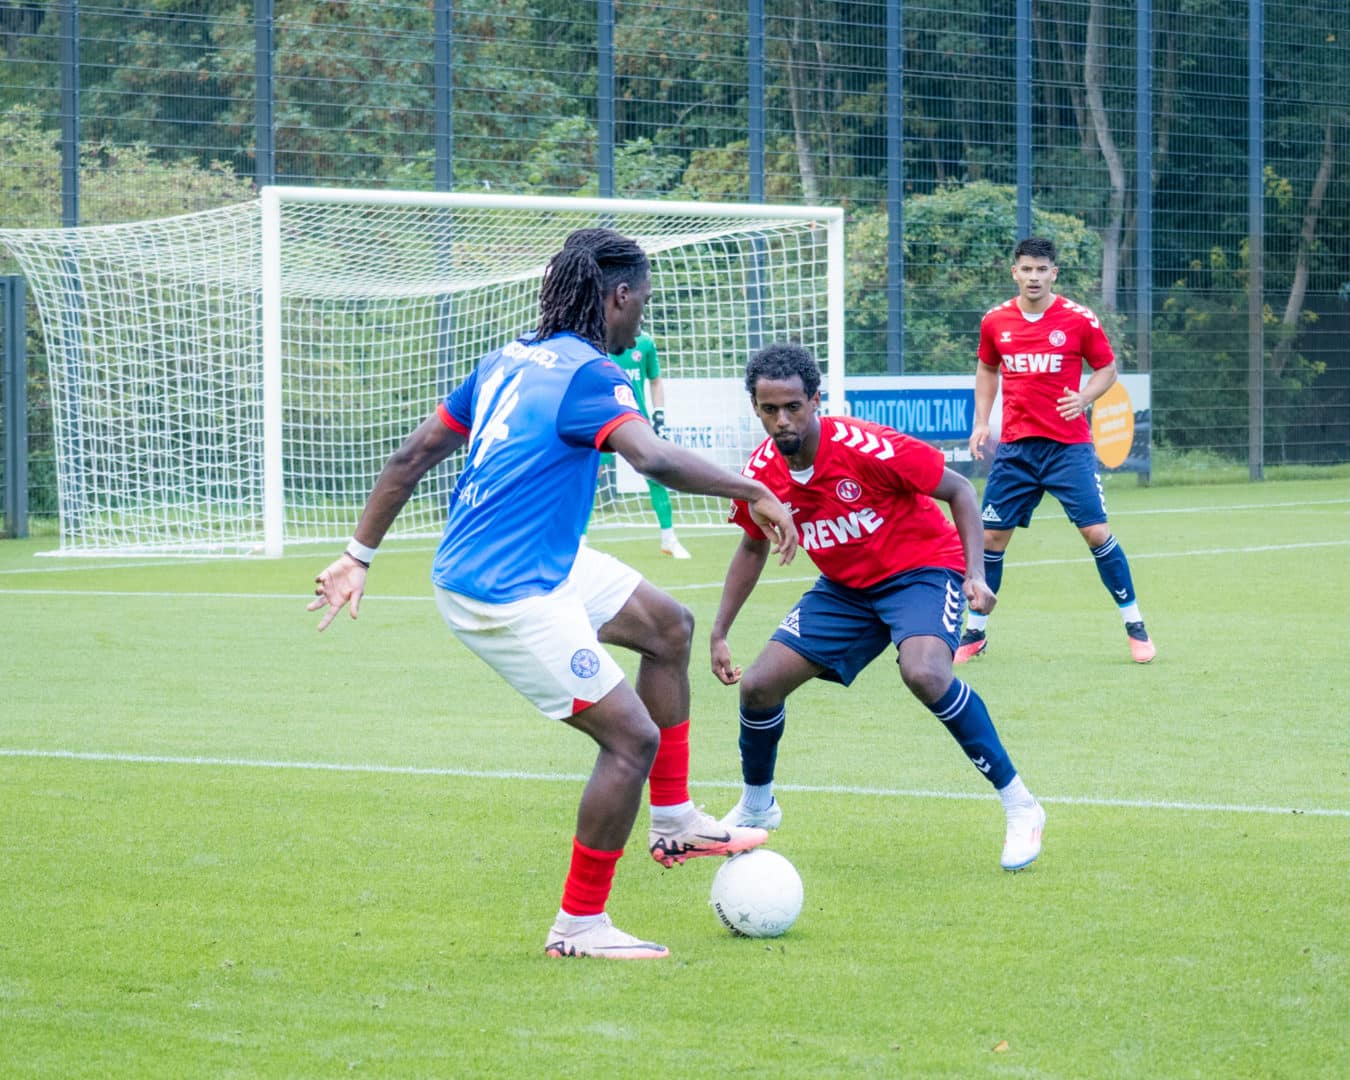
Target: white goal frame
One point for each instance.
(273, 198)
(176, 346)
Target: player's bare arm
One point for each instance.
(675, 467)
(958, 493)
(742, 576)
(1074, 403)
(343, 581)
(986, 389)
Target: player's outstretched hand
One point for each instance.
(341, 584)
(979, 596)
(776, 520)
(727, 673)
(1072, 405)
(979, 434)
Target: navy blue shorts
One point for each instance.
(844, 629)
(1026, 469)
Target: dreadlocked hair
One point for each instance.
(591, 265)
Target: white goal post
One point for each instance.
(232, 381)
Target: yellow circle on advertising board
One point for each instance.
(1113, 426)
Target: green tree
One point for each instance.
(958, 250)
(354, 83)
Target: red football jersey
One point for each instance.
(864, 514)
(1039, 357)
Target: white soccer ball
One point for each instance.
(757, 894)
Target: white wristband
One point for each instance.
(359, 552)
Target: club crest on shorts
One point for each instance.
(792, 622)
(848, 490)
(585, 664)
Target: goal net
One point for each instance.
(233, 381)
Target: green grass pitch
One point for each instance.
(230, 847)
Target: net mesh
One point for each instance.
(154, 334)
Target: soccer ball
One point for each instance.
(757, 894)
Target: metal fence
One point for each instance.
(1189, 155)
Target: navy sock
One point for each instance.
(760, 731)
(964, 714)
(993, 569)
(1114, 569)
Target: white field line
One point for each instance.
(1252, 550)
(135, 562)
(1050, 514)
(425, 598)
(129, 563)
(485, 774)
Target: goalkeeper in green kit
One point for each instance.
(644, 372)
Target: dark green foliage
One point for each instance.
(958, 254)
(168, 112)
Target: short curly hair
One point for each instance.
(779, 362)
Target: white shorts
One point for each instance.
(546, 646)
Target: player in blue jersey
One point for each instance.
(514, 585)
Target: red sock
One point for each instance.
(588, 879)
(670, 771)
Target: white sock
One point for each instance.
(667, 536)
(976, 622)
(573, 923)
(665, 817)
(757, 796)
(1130, 613)
(1015, 794)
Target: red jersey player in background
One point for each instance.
(1038, 342)
(893, 572)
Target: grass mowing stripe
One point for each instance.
(133, 562)
(172, 594)
(572, 778)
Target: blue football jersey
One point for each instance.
(536, 413)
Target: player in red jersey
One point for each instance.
(894, 571)
(1037, 343)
